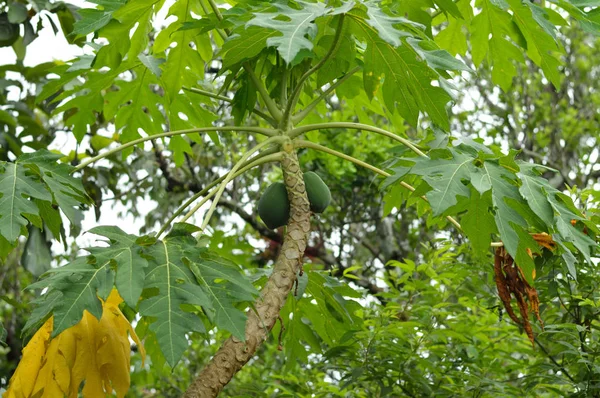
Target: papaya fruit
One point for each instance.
(9, 32)
(318, 193)
(274, 206)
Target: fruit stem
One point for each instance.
(270, 155)
(230, 175)
(356, 126)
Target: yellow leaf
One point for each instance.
(21, 384)
(94, 352)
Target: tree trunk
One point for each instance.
(234, 353)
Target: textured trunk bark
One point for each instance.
(234, 354)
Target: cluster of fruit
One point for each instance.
(274, 204)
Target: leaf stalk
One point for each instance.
(248, 129)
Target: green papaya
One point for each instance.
(274, 206)
(9, 32)
(318, 193)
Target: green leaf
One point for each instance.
(450, 7)
(445, 172)
(554, 208)
(510, 222)
(135, 105)
(453, 38)
(42, 309)
(293, 25)
(535, 190)
(84, 281)
(541, 47)
(125, 252)
(331, 314)
(67, 190)
(79, 282)
(223, 283)
(94, 19)
(500, 52)
(407, 85)
(436, 58)
(184, 64)
(384, 24)
(188, 112)
(173, 284)
(244, 100)
(16, 187)
(82, 112)
(245, 44)
(37, 256)
(478, 223)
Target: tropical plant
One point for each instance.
(300, 84)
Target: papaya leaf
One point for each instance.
(520, 201)
(84, 281)
(491, 29)
(384, 24)
(79, 282)
(130, 264)
(135, 105)
(294, 27)
(445, 172)
(555, 208)
(42, 309)
(541, 47)
(478, 222)
(184, 64)
(37, 256)
(245, 44)
(174, 284)
(17, 185)
(408, 80)
(329, 312)
(67, 190)
(223, 283)
(94, 19)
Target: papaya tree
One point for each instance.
(291, 82)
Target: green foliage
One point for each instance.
(503, 185)
(170, 276)
(391, 303)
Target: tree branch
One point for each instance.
(234, 353)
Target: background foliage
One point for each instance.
(394, 301)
